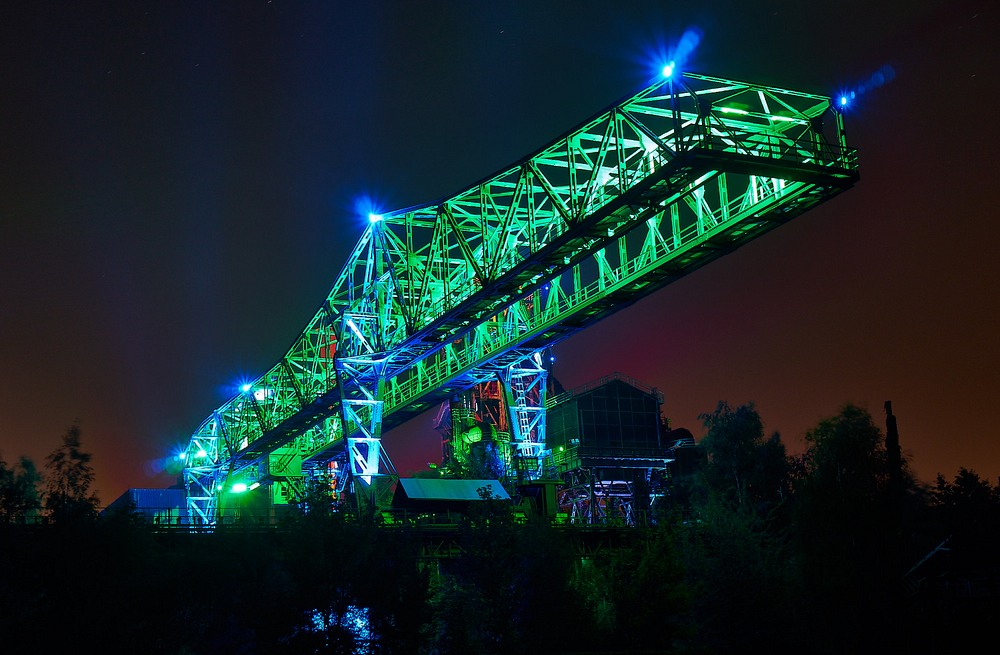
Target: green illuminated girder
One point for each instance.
(663, 182)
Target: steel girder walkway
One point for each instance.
(437, 298)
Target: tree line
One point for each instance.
(836, 550)
(62, 493)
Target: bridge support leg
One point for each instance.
(204, 474)
(524, 384)
(202, 495)
(360, 365)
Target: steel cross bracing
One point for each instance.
(437, 298)
(524, 392)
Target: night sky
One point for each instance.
(180, 180)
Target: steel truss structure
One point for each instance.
(588, 499)
(437, 298)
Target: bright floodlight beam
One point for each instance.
(374, 218)
(671, 60)
(245, 388)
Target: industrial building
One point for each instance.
(611, 450)
(608, 457)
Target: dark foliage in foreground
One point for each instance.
(835, 551)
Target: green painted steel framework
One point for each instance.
(437, 298)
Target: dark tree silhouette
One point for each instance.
(846, 520)
(472, 600)
(823, 574)
(969, 511)
(967, 500)
(743, 465)
(68, 494)
(19, 495)
(736, 550)
(743, 584)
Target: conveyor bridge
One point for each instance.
(439, 297)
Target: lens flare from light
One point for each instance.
(368, 207)
(879, 78)
(668, 58)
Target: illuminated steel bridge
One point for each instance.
(438, 298)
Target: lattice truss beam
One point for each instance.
(457, 290)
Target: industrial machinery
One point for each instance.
(611, 451)
(472, 288)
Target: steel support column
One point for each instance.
(524, 388)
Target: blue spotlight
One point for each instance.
(245, 388)
(365, 206)
(664, 59)
(880, 77)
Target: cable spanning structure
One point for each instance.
(438, 298)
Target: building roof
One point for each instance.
(600, 383)
(457, 490)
